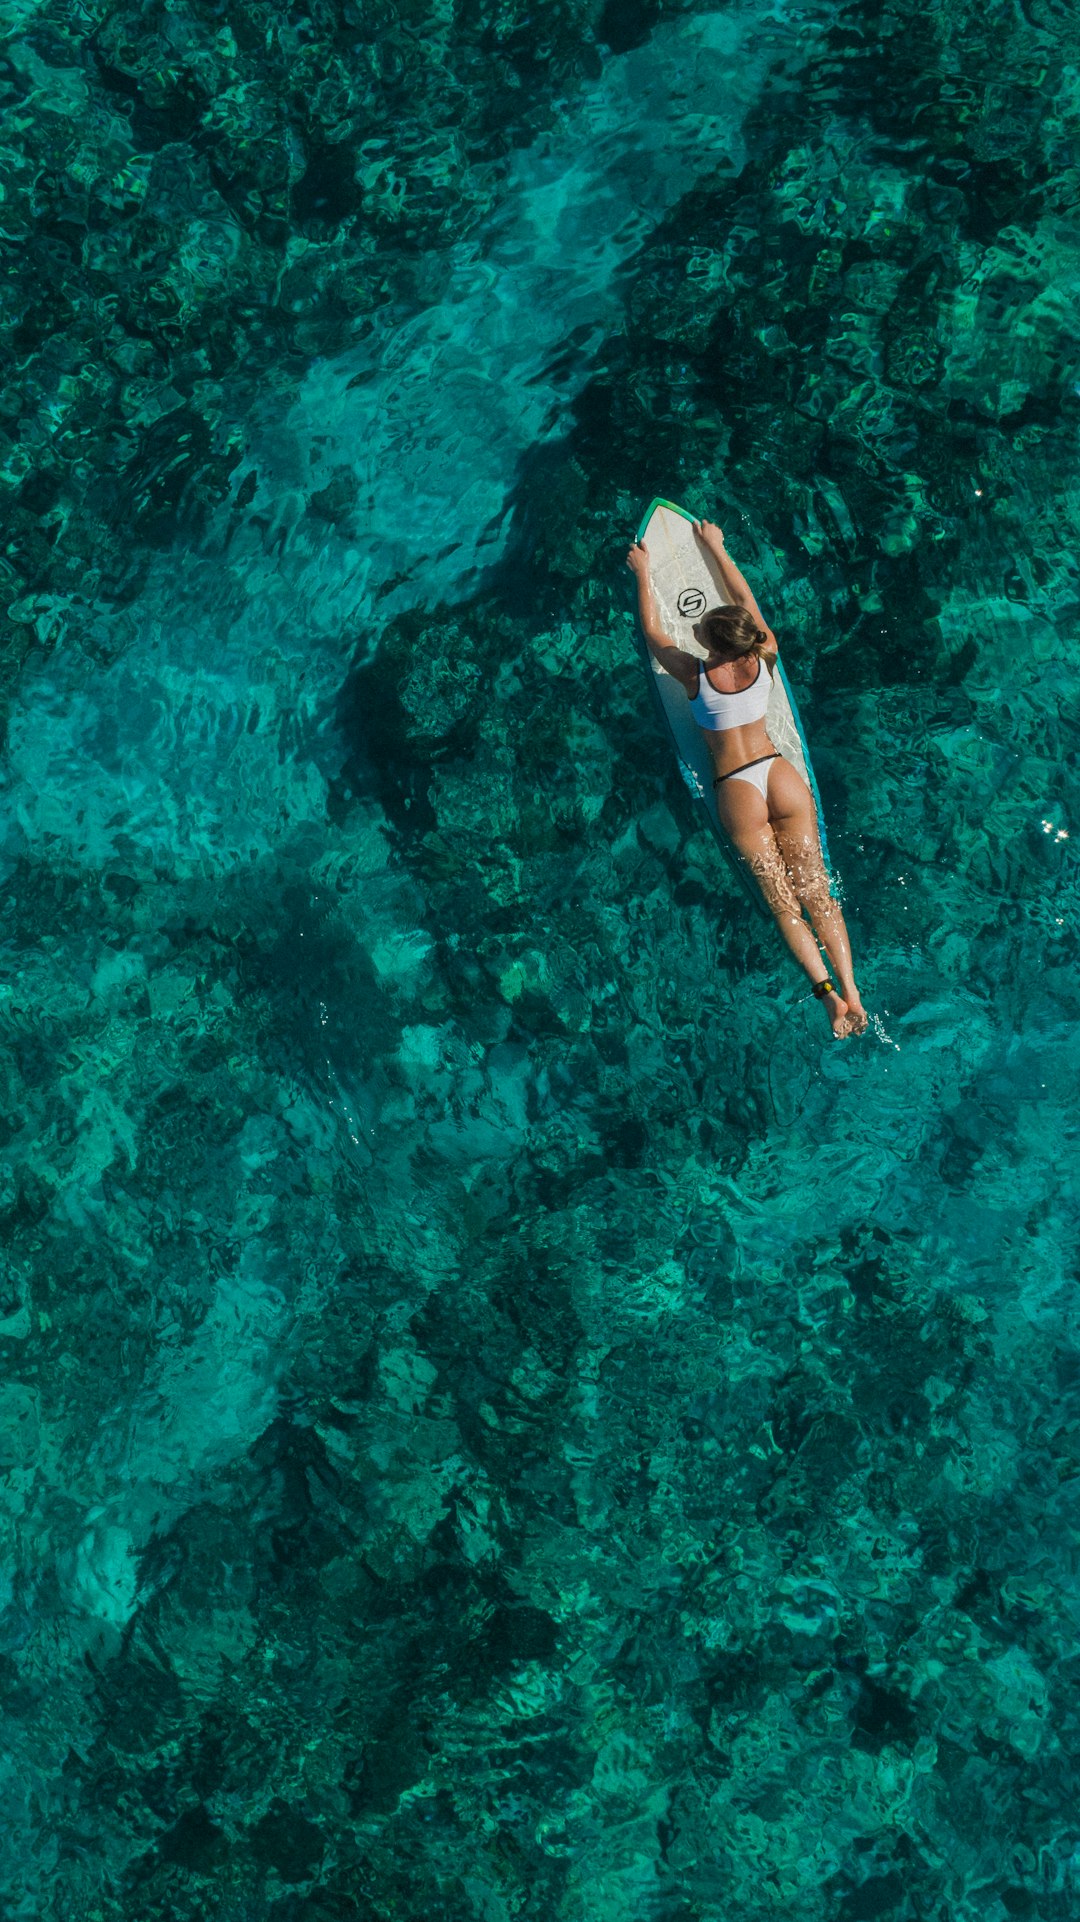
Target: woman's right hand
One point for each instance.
(637, 560)
(712, 535)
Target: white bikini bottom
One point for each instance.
(756, 772)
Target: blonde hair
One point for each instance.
(730, 632)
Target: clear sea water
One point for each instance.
(500, 1416)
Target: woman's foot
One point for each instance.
(858, 1019)
(834, 1005)
(838, 1012)
(845, 1011)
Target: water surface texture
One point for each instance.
(500, 1416)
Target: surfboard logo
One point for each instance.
(691, 603)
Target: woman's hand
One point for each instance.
(637, 560)
(711, 535)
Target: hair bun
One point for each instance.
(731, 631)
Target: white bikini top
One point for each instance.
(717, 711)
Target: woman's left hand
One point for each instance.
(637, 560)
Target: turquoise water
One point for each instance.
(501, 1417)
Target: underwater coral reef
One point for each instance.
(501, 1417)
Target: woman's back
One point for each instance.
(718, 709)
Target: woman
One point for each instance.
(765, 806)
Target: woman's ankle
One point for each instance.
(826, 986)
(845, 982)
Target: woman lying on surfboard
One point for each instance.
(765, 806)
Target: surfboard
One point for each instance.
(686, 581)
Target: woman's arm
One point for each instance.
(661, 646)
(735, 584)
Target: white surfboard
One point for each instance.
(686, 581)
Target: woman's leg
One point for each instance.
(745, 816)
(793, 819)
